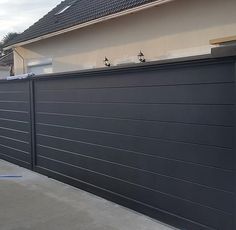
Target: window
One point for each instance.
(40, 69)
(40, 66)
(65, 8)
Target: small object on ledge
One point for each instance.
(141, 57)
(20, 77)
(106, 62)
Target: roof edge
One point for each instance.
(4, 56)
(92, 22)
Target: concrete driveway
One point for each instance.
(30, 201)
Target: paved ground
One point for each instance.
(35, 202)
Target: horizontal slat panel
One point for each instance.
(221, 180)
(14, 96)
(215, 157)
(14, 115)
(15, 134)
(16, 144)
(13, 124)
(198, 134)
(15, 153)
(195, 94)
(161, 215)
(13, 106)
(15, 161)
(109, 138)
(205, 216)
(195, 193)
(215, 73)
(12, 86)
(195, 114)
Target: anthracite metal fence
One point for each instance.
(157, 138)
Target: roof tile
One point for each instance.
(79, 12)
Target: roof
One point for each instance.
(7, 59)
(70, 13)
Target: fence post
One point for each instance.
(32, 124)
(234, 147)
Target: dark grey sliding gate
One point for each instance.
(156, 138)
(15, 137)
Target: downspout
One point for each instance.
(23, 60)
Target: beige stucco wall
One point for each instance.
(179, 28)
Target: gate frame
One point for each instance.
(32, 124)
(234, 147)
(163, 64)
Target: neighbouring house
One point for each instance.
(4, 71)
(79, 34)
(6, 65)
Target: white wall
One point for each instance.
(179, 28)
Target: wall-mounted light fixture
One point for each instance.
(141, 57)
(106, 62)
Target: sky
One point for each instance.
(18, 15)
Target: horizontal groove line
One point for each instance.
(139, 153)
(174, 178)
(134, 103)
(11, 120)
(11, 92)
(135, 136)
(94, 158)
(133, 200)
(14, 158)
(14, 130)
(18, 150)
(13, 111)
(25, 102)
(134, 119)
(137, 86)
(111, 162)
(12, 139)
(138, 185)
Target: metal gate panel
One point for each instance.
(15, 125)
(158, 139)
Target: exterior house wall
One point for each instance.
(4, 72)
(179, 28)
(19, 64)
